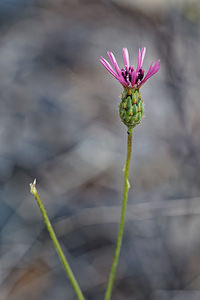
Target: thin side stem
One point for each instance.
(122, 220)
(56, 243)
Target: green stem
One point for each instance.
(122, 220)
(56, 243)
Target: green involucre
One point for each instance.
(131, 108)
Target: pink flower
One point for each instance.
(128, 76)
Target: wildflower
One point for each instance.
(128, 76)
(131, 108)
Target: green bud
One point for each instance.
(131, 108)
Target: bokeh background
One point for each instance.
(59, 123)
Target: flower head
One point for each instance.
(129, 76)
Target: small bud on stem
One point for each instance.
(33, 189)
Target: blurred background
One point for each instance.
(59, 123)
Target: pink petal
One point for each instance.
(123, 82)
(143, 52)
(156, 67)
(114, 62)
(108, 67)
(141, 55)
(133, 77)
(126, 57)
(139, 59)
(152, 70)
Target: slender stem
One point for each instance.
(122, 220)
(56, 243)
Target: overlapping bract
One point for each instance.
(128, 76)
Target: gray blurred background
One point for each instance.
(59, 123)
